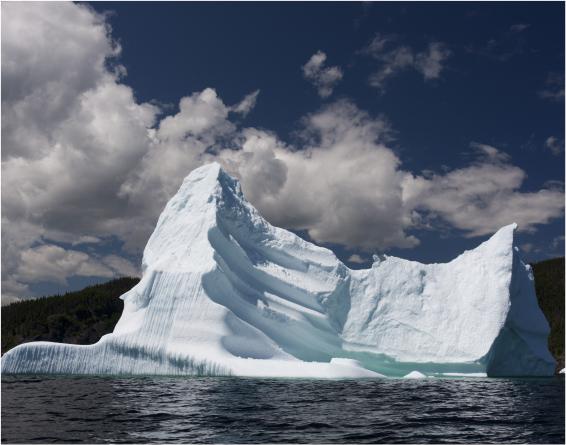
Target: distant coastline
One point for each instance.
(82, 317)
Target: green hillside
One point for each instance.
(82, 317)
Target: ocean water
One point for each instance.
(241, 410)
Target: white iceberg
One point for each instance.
(225, 293)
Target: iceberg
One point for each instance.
(223, 292)
(415, 375)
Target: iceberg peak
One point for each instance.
(209, 174)
(204, 182)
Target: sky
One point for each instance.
(410, 129)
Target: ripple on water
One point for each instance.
(159, 409)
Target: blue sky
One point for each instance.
(448, 118)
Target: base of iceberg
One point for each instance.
(225, 293)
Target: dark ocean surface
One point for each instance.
(238, 410)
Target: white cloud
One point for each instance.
(181, 143)
(120, 266)
(430, 62)
(484, 196)
(323, 78)
(355, 258)
(490, 153)
(346, 186)
(46, 68)
(555, 145)
(394, 58)
(202, 116)
(342, 186)
(49, 262)
(74, 137)
(71, 132)
(54, 263)
(246, 105)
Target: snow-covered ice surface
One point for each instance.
(225, 293)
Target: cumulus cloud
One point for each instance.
(120, 266)
(75, 140)
(180, 143)
(346, 186)
(53, 263)
(71, 132)
(394, 57)
(323, 78)
(74, 130)
(46, 68)
(555, 145)
(355, 258)
(50, 262)
(484, 196)
(83, 160)
(342, 186)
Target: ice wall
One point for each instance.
(225, 293)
